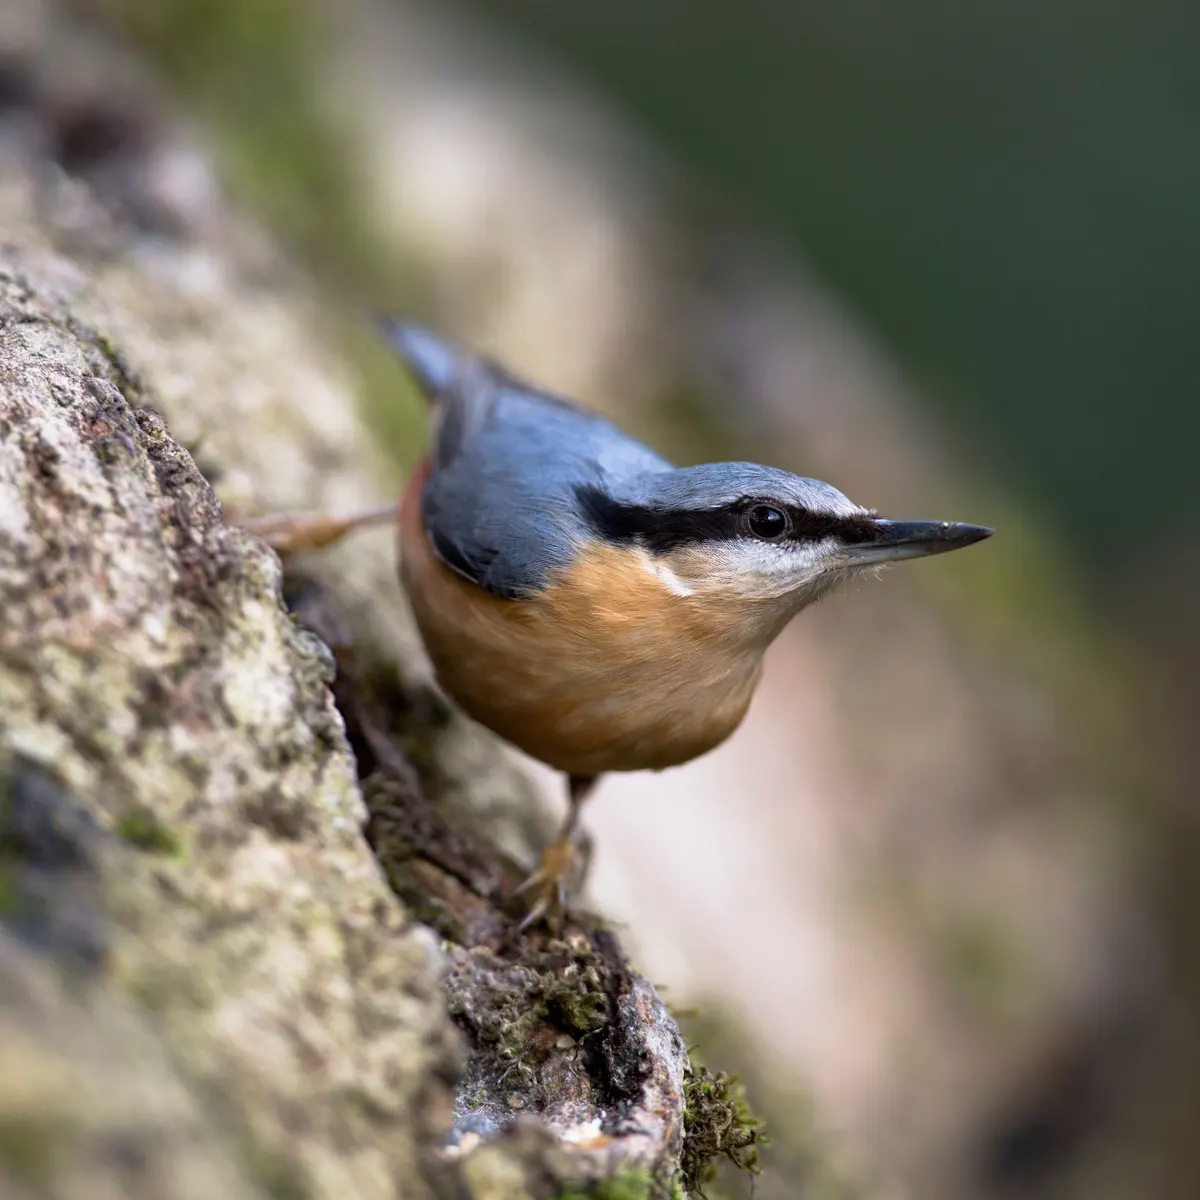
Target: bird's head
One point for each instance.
(757, 538)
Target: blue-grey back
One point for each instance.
(501, 506)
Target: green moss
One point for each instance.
(805, 1157)
(717, 1124)
(501, 1017)
(506, 1007)
(278, 1176)
(574, 998)
(634, 1184)
(140, 827)
(29, 1143)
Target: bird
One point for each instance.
(586, 600)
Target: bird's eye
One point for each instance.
(766, 522)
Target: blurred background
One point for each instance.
(936, 903)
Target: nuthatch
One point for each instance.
(590, 603)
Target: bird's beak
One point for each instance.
(894, 540)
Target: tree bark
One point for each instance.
(207, 985)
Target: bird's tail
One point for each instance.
(433, 361)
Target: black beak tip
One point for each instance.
(937, 537)
(967, 535)
(914, 539)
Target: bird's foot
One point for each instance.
(547, 886)
(291, 533)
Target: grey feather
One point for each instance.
(715, 485)
(432, 361)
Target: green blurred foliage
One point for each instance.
(247, 70)
(247, 66)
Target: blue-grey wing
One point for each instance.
(500, 506)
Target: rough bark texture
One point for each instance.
(207, 985)
(207, 813)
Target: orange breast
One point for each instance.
(607, 670)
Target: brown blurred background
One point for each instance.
(936, 901)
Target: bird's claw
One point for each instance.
(549, 884)
(293, 533)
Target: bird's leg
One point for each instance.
(549, 881)
(292, 533)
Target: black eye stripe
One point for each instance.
(808, 526)
(661, 531)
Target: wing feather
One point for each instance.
(500, 505)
